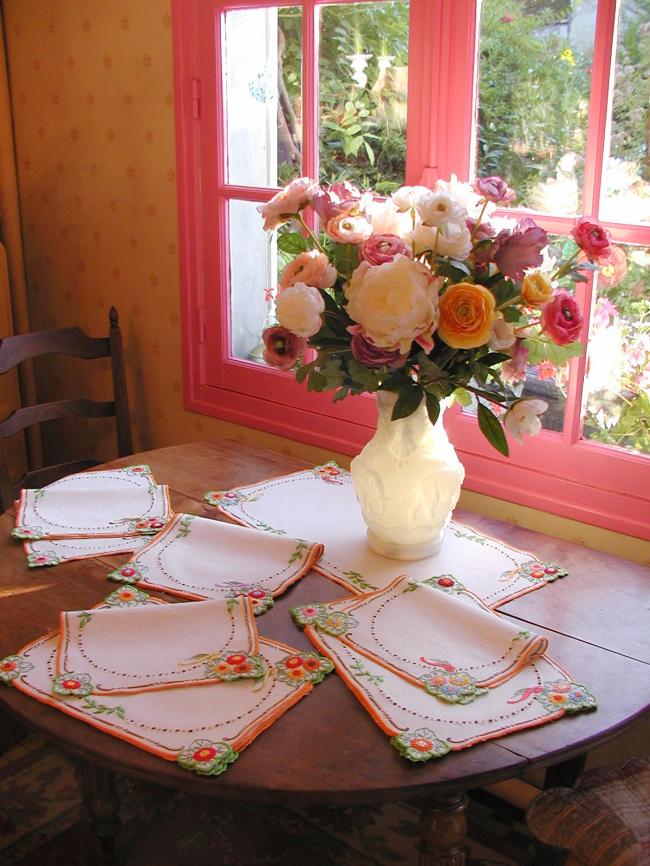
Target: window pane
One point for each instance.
(363, 72)
(626, 188)
(253, 270)
(617, 388)
(534, 80)
(262, 95)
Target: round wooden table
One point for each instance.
(326, 750)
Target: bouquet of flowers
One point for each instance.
(421, 295)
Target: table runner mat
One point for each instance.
(199, 558)
(53, 551)
(142, 648)
(320, 504)
(112, 502)
(203, 730)
(453, 648)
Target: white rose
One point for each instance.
(423, 238)
(395, 303)
(521, 419)
(503, 334)
(406, 197)
(466, 195)
(437, 208)
(298, 309)
(386, 219)
(454, 241)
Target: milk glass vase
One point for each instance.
(407, 480)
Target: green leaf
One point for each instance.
(494, 358)
(540, 349)
(292, 242)
(429, 370)
(460, 266)
(462, 396)
(407, 402)
(433, 407)
(362, 374)
(316, 381)
(370, 152)
(340, 394)
(491, 428)
(303, 371)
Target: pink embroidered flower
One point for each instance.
(562, 319)
(593, 240)
(310, 267)
(518, 251)
(287, 203)
(383, 248)
(522, 418)
(494, 189)
(282, 347)
(348, 228)
(374, 356)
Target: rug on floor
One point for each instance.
(43, 823)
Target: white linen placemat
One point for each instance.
(53, 551)
(320, 504)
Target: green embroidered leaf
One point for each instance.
(358, 580)
(84, 618)
(540, 349)
(298, 553)
(491, 428)
(292, 243)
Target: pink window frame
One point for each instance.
(559, 473)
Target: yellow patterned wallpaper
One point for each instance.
(92, 94)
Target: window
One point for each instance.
(267, 91)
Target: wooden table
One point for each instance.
(326, 750)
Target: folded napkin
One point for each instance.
(140, 648)
(454, 649)
(112, 502)
(320, 504)
(53, 551)
(199, 558)
(203, 730)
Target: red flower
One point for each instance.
(205, 754)
(71, 684)
(235, 659)
(293, 662)
(445, 581)
(8, 666)
(282, 347)
(421, 745)
(593, 240)
(562, 319)
(311, 664)
(127, 571)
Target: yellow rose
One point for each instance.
(466, 316)
(536, 289)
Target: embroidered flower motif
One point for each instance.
(36, 560)
(78, 685)
(234, 666)
(130, 572)
(261, 598)
(446, 582)
(228, 497)
(539, 572)
(140, 469)
(559, 695)
(304, 668)
(147, 525)
(206, 757)
(332, 622)
(420, 745)
(330, 472)
(11, 667)
(183, 528)
(450, 684)
(126, 596)
(31, 533)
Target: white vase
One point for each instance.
(407, 480)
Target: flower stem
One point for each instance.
(478, 221)
(310, 232)
(563, 269)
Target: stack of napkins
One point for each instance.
(91, 514)
(437, 671)
(192, 683)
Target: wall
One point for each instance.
(92, 94)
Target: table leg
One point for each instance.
(444, 826)
(100, 796)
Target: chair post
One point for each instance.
(124, 439)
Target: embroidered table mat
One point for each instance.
(53, 551)
(199, 558)
(320, 504)
(202, 729)
(431, 706)
(107, 503)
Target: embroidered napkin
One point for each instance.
(199, 558)
(53, 551)
(452, 648)
(202, 729)
(133, 649)
(320, 504)
(112, 502)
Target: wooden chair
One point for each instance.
(66, 341)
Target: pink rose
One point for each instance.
(522, 418)
(348, 228)
(614, 269)
(494, 189)
(515, 369)
(287, 203)
(515, 252)
(310, 267)
(383, 248)
(282, 348)
(373, 356)
(562, 319)
(330, 200)
(593, 240)
(483, 233)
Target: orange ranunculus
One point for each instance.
(466, 316)
(536, 289)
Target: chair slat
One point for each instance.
(41, 477)
(79, 407)
(65, 341)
